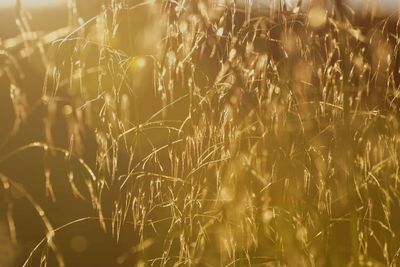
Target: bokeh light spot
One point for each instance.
(317, 17)
(79, 244)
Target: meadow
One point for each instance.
(201, 133)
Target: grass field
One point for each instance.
(201, 133)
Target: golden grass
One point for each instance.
(223, 136)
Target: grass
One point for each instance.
(222, 135)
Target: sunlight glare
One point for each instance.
(31, 3)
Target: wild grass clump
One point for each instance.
(223, 134)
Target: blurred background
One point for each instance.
(85, 244)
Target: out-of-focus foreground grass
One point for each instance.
(201, 133)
